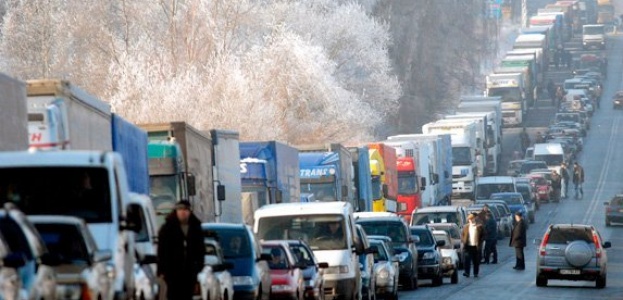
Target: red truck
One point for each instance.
(389, 178)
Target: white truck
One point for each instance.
(510, 87)
(13, 113)
(490, 146)
(63, 116)
(466, 154)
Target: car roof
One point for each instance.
(385, 216)
(444, 208)
(507, 194)
(304, 208)
(209, 225)
(56, 219)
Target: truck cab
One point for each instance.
(593, 36)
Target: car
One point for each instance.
(84, 268)
(386, 268)
(514, 166)
(251, 275)
(449, 256)
(37, 274)
(617, 100)
(287, 280)
(614, 210)
(429, 254)
(514, 201)
(314, 282)
(530, 165)
(393, 226)
(455, 237)
(439, 214)
(215, 265)
(506, 219)
(10, 282)
(502, 218)
(572, 252)
(366, 263)
(145, 275)
(526, 191)
(543, 187)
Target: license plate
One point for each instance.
(570, 272)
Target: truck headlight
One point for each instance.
(428, 255)
(242, 280)
(343, 269)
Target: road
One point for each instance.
(603, 167)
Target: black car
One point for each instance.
(429, 254)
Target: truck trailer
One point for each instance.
(14, 115)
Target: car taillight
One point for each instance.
(542, 251)
(597, 246)
(85, 293)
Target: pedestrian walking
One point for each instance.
(180, 252)
(472, 237)
(558, 56)
(564, 175)
(556, 185)
(525, 140)
(491, 239)
(568, 59)
(518, 241)
(578, 180)
(551, 91)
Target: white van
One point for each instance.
(551, 153)
(485, 186)
(311, 222)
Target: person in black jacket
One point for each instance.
(491, 239)
(518, 240)
(180, 252)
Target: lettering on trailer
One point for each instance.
(503, 83)
(36, 137)
(317, 172)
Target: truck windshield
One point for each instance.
(461, 156)
(508, 94)
(69, 191)
(321, 191)
(377, 191)
(550, 159)
(321, 232)
(594, 30)
(163, 192)
(407, 183)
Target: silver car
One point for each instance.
(10, 283)
(572, 252)
(386, 267)
(84, 269)
(214, 259)
(449, 256)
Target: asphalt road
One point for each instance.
(602, 159)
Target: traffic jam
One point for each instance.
(97, 207)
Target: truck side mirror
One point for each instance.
(278, 196)
(132, 220)
(385, 190)
(220, 192)
(436, 178)
(344, 191)
(422, 183)
(190, 179)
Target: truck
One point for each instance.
(527, 65)
(510, 87)
(436, 152)
(389, 179)
(594, 35)
(63, 116)
(362, 177)
(13, 113)
(326, 172)
(227, 192)
(479, 125)
(491, 141)
(465, 159)
(180, 168)
(540, 52)
(269, 174)
(131, 142)
(415, 169)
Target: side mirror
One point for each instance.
(422, 183)
(344, 191)
(149, 259)
(190, 180)
(14, 260)
(323, 265)
(607, 245)
(106, 255)
(415, 239)
(441, 243)
(435, 178)
(220, 192)
(264, 256)
(278, 196)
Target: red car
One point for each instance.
(543, 187)
(286, 274)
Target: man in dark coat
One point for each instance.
(491, 239)
(578, 179)
(180, 252)
(518, 240)
(472, 236)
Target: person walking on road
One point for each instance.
(525, 139)
(564, 183)
(491, 239)
(556, 185)
(472, 237)
(518, 241)
(578, 180)
(180, 252)
(551, 91)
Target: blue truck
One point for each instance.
(362, 177)
(326, 172)
(131, 142)
(269, 173)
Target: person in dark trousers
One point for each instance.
(491, 239)
(180, 252)
(472, 237)
(518, 241)
(578, 179)
(564, 174)
(551, 91)
(556, 185)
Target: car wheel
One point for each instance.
(541, 281)
(600, 283)
(455, 277)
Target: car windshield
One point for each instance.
(461, 156)
(527, 167)
(421, 218)
(380, 254)
(509, 199)
(235, 242)
(321, 232)
(302, 254)
(279, 260)
(453, 232)
(525, 191)
(393, 229)
(484, 191)
(426, 238)
(64, 240)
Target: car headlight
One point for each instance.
(402, 256)
(343, 269)
(242, 280)
(383, 274)
(428, 255)
(281, 288)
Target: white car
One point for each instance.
(449, 256)
(386, 268)
(84, 269)
(215, 278)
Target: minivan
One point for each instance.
(485, 186)
(551, 153)
(329, 229)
